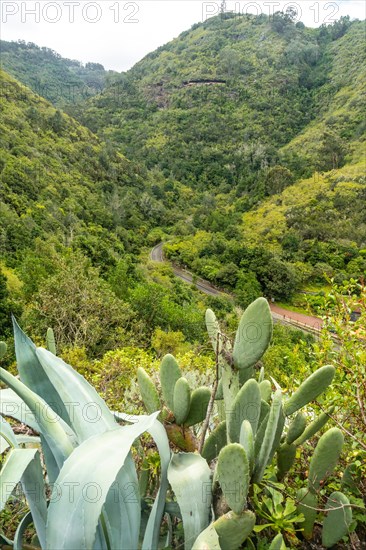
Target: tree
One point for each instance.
(277, 179)
(332, 152)
(247, 288)
(81, 308)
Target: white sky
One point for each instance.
(119, 33)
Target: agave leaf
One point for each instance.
(16, 462)
(13, 406)
(48, 421)
(9, 439)
(189, 475)
(157, 431)
(90, 414)
(28, 440)
(22, 527)
(153, 526)
(33, 488)
(96, 463)
(32, 373)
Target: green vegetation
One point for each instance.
(63, 82)
(245, 500)
(240, 145)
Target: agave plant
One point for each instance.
(95, 501)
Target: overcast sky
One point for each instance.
(119, 33)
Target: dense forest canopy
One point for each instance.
(240, 143)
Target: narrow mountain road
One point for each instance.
(307, 323)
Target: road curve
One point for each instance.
(303, 322)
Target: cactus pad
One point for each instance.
(296, 428)
(233, 475)
(234, 529)
(253, 335)
(246, 406)
(338, 520)
(181, 400)
(285, 458)
(215, 442)
(265, 388)
(148, 391)
(310, 389)
(198, 408)
(246, 440)
(314, 427)
(325, 457)
(169, 374)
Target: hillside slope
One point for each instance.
(59, 180)
(221, 103)
(63, 82)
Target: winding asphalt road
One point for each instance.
(303, 322)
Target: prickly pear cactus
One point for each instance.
(181, 400)
(246, 406)
(148, 391)
(198, 407)
(253, 335)
(307, 505)
(325, 457)
(310, 389)
(3, 349)
(338, 519)
(169, 374)
(233, 529)
(286, 455)
(315, 426)
(215, 442)
(233, 475)
(296, 428)
(246, 440)
(51, 342)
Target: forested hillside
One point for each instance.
(239, 109)
(74, 216)
(64, 82)
(245, 139)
